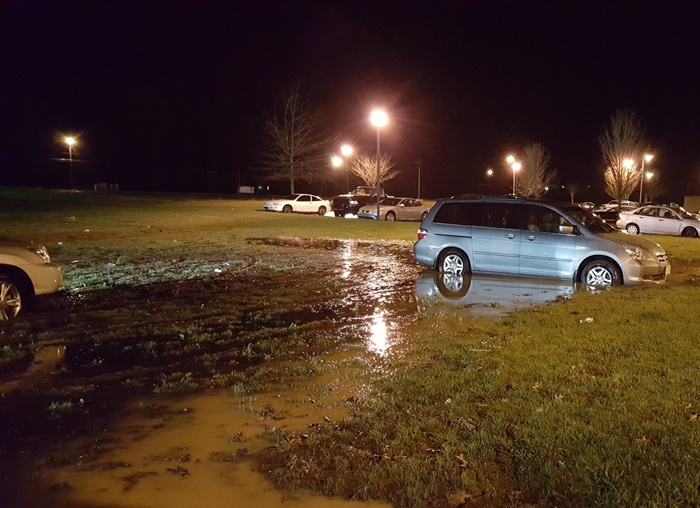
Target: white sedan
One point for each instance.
(302, 203)
(392, 209)
(25, 272)
(660, 220)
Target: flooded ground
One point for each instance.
(156, 382)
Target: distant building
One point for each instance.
(691, 203)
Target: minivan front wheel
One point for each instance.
(600, 273)
(453, 261)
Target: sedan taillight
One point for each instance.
(422, 233)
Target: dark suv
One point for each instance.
(350, 203)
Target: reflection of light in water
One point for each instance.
(347, 258)
(378, 341)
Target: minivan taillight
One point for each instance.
(422, 233)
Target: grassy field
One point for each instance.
(589, 401)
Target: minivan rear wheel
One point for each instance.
(600, 272)
(453, 261)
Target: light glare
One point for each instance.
(346, 150)
(337, 161)
(69, 140)
(378, 118)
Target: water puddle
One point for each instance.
(38, 372)
(193, 451)
(482, 295)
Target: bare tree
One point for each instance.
(365, 167)
(293, 144)
(622, 144)
(574, 188)
(535, 176)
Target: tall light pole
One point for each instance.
(379, 119)
(489, 174)
(346, 150)
(418, 162)
(515, 166)
(70, 141)
(647, 158)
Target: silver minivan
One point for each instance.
(514, 236)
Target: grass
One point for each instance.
(543, 408)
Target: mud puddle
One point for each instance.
(193, 451)
(484, 295)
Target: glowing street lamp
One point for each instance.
(489, 174)
(647, 158)
(379, 119)
(70, 141)
(516, 167)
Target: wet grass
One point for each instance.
(544, 408)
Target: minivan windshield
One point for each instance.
(592, 222)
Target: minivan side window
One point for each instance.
(460, 213)
(503, 215)
(540, 218)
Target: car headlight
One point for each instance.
(638, 253)
(41, 252)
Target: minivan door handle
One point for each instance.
(510, 236)
(531, 238)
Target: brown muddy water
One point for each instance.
(158, 386)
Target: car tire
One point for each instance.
(422, 217)
(690, 233)
(390, 216)
(632, 229)
(322, 210)
(600, 273)
(453, 261)
(13, 297)
(287, 209)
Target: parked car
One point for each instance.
(25, 272)
(302, 203)
(350, 203)
(392, 209)
(623, 205)
(514, 236)
(660, 220)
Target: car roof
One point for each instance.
(508, 199)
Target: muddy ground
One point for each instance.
(154, 382)
(265, 335)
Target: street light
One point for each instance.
(379, 119)
(346, 150)
(70, 141)
(647, 158)
(516, 167)
(489, 174)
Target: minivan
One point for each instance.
(517, 236)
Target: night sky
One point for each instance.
(170, 95)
